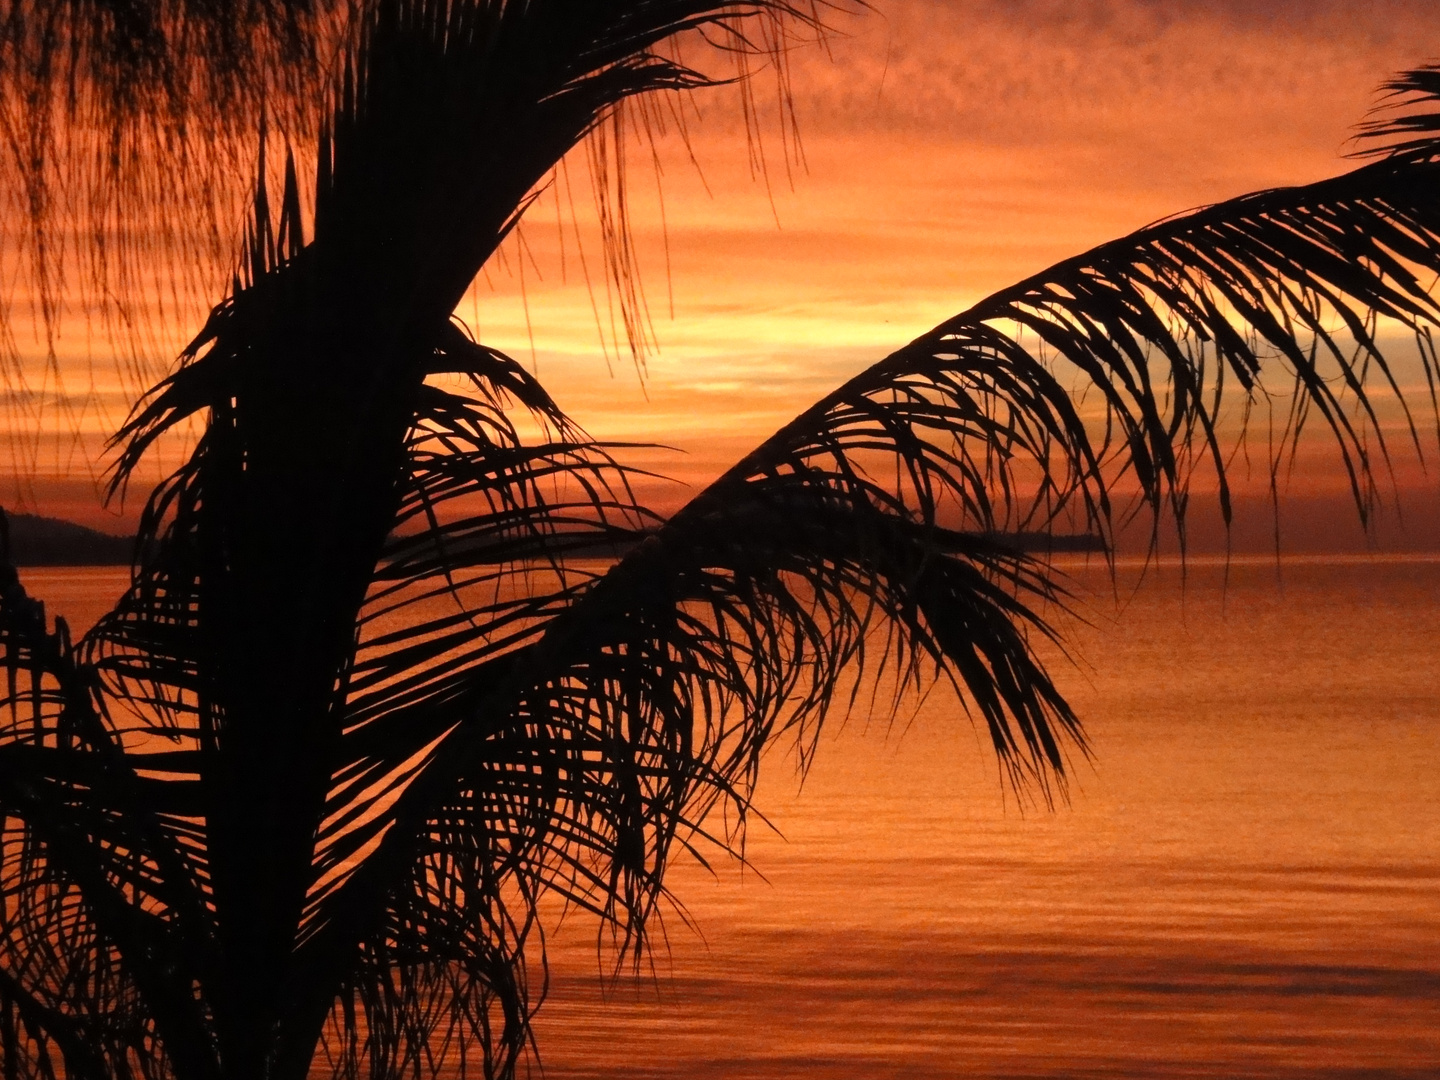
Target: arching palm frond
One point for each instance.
(587, 754)
(1406, 119)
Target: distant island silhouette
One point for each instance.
(612, 548)
(46, 541)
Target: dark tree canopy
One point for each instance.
(291, 806)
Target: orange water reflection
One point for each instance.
(1245, 883)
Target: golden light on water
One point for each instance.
(1244, 881)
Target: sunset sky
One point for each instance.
(403, 725)
(949, 148)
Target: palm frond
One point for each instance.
(652, 695)
(1406, 121)
(102, 907)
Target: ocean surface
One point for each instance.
(1244, 881)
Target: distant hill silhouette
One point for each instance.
(43, 541)
(1021, 542)
(1049, 543)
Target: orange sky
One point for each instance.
(950, 147)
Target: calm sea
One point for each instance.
(1245, 880)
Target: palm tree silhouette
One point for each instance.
(292, 804)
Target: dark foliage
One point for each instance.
(292, 804)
